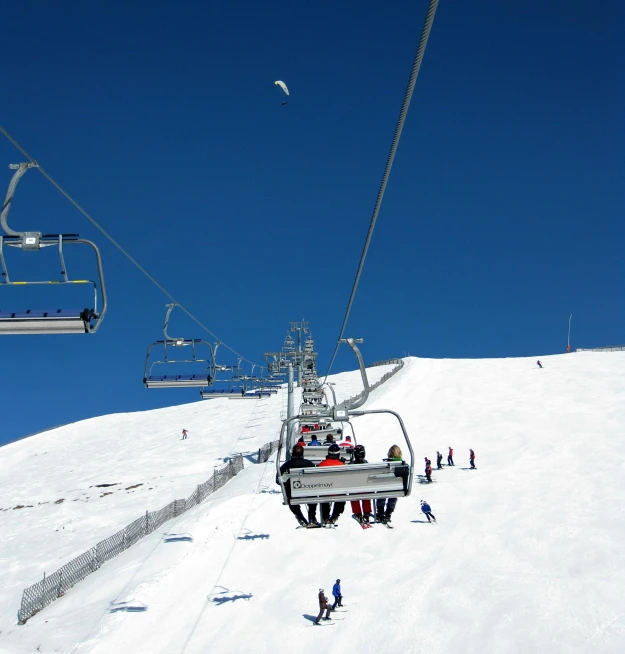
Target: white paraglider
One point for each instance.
(282, 85)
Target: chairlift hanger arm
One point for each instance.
(363, 371)
(20, 170)
(365, 412)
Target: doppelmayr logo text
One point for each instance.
(299, 484)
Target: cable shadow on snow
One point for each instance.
(265, 490)
(250, 535)
(176, 538)
(252, 457)
(128, 607)
(224, 599)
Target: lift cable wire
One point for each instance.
(425, 33)
(117, 245)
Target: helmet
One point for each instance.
(334, 449)
(359, 452)
(338, 581)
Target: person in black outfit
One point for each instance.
(297, 460)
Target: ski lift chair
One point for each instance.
(366, 481)
(197, 380)
(46, 321)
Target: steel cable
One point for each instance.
(118, 246)
(425, 33)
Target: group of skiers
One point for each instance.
(324, 604)
(450, 462)
(361, 511)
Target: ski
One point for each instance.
(364, 525)
(320, 624)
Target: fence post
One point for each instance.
(43, 590)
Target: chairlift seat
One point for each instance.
(364, 481)
(317, 453)
(176, 381)
(224, 392)
(45, 321)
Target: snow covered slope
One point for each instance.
(527, 555)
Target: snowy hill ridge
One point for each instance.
(526, 557)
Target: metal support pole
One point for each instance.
(568, 341)
(331, 385)
(290, 413)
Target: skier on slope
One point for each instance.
(323, 606)
(361, 514)
(332, 459)
(297, 460)
(427, 510)
(428, 471)
(336, 592)
(439, 458)
(539, 364)
(184, 434)
(450, 457)
(472, 458)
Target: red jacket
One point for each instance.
(331, 462)
(451, 451)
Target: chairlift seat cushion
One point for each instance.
(43, 321)
(173, 381)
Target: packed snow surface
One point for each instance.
(527, 554)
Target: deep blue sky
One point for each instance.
(503, 215)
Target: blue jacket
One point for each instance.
(314, 441)
(426, 508)
(336, 590)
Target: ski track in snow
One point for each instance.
(526, 557)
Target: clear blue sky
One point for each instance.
(503, 215)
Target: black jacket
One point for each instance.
(293, 462)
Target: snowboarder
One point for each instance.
(428, 472)
(184, 434)
(323, 606)
(361, 514)
(297, 460)
(472, 458)
(336, 592)
(450, 457)
(384, 507)
(539, 364)
(439, 458)
(332, 459)
(427, 509)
